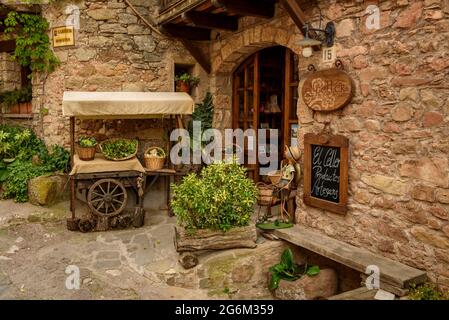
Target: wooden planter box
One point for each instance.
(201, 240)
(21, 108)
(240, 237)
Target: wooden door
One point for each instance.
(291, 82)
(246, 95)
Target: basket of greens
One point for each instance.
(119, 149)
(86, 148)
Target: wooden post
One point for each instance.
(72, 178)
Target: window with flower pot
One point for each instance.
(185, 80)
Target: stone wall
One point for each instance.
(397, 122)
(114, 51)
(9, 73)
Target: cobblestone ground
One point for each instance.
(36, 248)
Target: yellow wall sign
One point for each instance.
(63, 36)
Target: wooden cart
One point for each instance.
(104, 185)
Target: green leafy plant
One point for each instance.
(33, 47)
(10, 98)
(204, 113)
(119, 148)
(187, 78)
(87, 142)
(427, 291)
(288, 270)
(220, 198)
(18, 143)
(18, 146)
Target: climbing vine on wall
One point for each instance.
(33, 46)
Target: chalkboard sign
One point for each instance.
(326, 172)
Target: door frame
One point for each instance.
(287, 105)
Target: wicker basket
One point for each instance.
(154, 162)
(118, 159)
(86, 153)
(266, 194)
(275, 176)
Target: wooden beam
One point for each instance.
(256, 8)
(7, 45)
(298, 16)
(212, 21)
(186, 32)
(197, 54)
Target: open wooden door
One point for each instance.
(246, 95)
(290, 123)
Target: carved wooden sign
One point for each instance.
(326, 172)
(327, 90)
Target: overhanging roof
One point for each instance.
(126, 105)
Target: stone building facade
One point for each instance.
(9, 73)
(397, 122)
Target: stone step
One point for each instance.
(391, 271)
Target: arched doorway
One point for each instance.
(265, 93)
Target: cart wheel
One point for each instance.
(86, 225)
(107, 197)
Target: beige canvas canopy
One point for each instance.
(126, 105)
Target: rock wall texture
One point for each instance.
(9, 73)
(114, 51)
(397, 122)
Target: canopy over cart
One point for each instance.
(105, 182)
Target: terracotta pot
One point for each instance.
(183, 87)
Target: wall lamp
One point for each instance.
(323, 36)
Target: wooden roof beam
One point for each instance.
(256, 8)
(187, 32)
(298, 16)
(179, 32)
(197, 54)
(212, 21)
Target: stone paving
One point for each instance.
(36, 249)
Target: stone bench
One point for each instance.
(395, 277)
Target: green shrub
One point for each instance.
(222, 197)
(427, 291)
(18, 146)
(18, 143)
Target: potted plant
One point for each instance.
(185, 82)
(87, 148)
(18, 101)
(213, 209)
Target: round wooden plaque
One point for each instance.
(327, 90)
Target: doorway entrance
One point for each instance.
(265, 94)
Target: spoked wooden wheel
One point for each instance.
(107, 197)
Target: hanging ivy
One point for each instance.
(33, 47)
